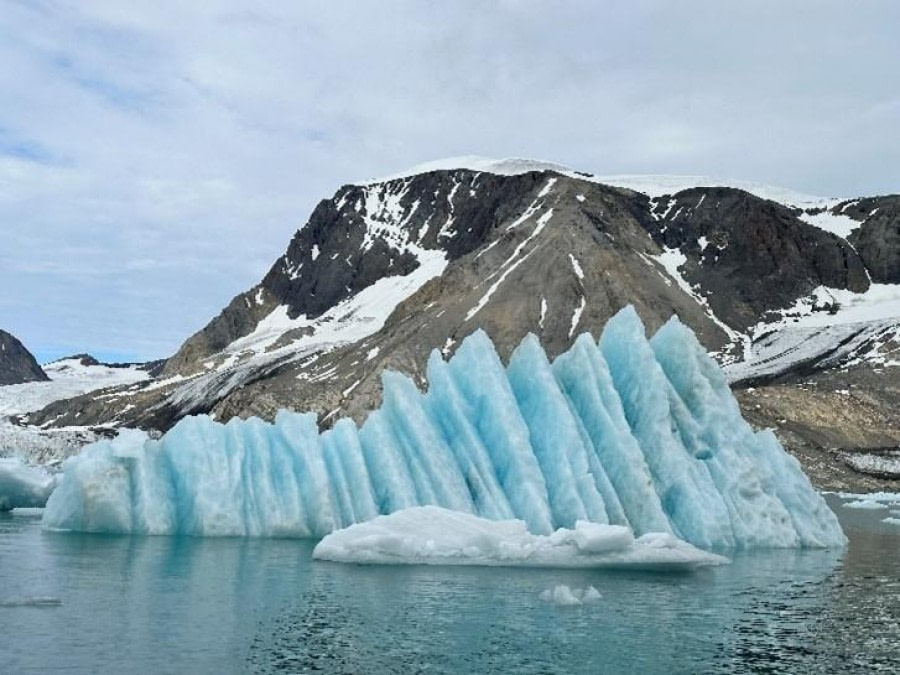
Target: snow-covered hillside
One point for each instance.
(387, 270)
(386, 213)
(68, 378)
(830, 327)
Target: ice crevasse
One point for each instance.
(628, 431)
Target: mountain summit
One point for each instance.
(777, 284)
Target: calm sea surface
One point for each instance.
(102, 604)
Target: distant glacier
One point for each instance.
(627, 431)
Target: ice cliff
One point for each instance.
(630, 431)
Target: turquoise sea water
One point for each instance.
(87, 603)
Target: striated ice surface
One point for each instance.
(629, 432)
(430, 535)
(23, 486)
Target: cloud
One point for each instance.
(155, 158)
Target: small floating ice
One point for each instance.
(865, 504)
(430, 535)
(563, 595)
(872, 496)
(37, 601)
(891, 521)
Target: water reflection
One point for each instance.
(161, 604)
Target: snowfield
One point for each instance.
(830, 327)
(650, 185)
(68, 378)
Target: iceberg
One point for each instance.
(22, 486)
(430, 535)
(642, 434)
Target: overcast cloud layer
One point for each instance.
(156, 157)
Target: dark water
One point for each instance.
(86, 604)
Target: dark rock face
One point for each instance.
(541, 253)
(878, 238)
(17, 365)
(84, 359)
(750, 255)
(363, 234)
(346, 247)
(538, 252)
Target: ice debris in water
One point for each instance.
(36, 601)
(23, 486)
(865, 504)
(563, 595)
(633, 432)
(430, 535)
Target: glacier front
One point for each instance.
(628, 431)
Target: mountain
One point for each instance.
(17, 365)
(781, 286)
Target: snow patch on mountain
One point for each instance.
(827, 306)
(671, 259)
(351, 320)
(836, 223)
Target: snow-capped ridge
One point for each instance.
(652, 185)
(511, 166)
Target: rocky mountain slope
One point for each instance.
(779, 285)
(17, 365)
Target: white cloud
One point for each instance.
(155, 158)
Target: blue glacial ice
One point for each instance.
(633, 432)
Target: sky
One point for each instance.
(156, 157)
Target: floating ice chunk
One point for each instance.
(891, 521)
(865, 504)
(429, 535)
(590, 594)
(562, 595)
(873, 496)
(565, 596)
(23, 486)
